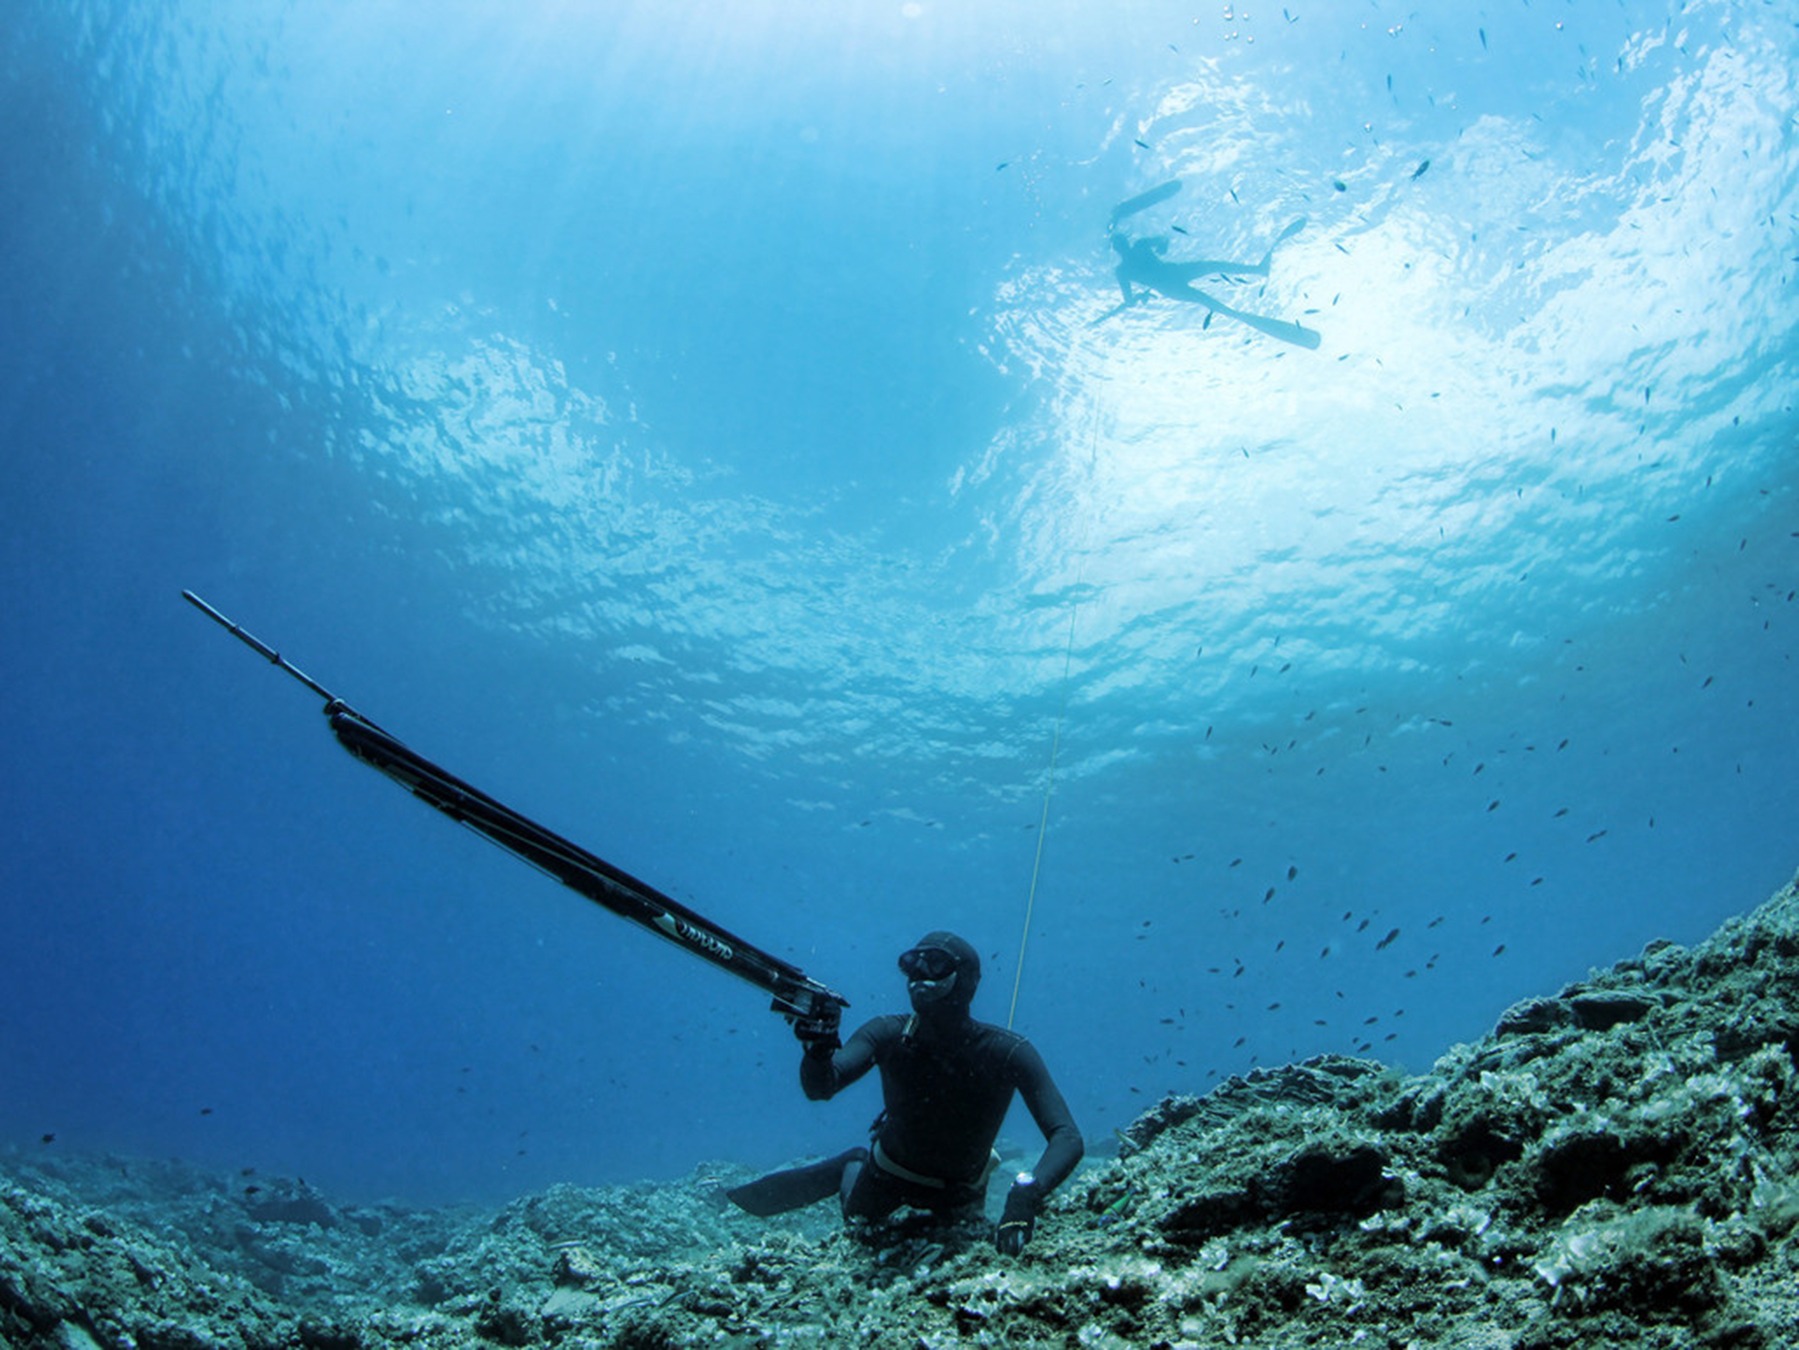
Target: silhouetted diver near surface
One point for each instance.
(1141, 264)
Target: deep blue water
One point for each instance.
(690, 422)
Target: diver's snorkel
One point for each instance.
(927, 995)
(932, 974)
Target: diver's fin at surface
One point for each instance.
(1293, 228)
(1308, 338)
(1144, 200)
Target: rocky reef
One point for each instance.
(1616, 1166)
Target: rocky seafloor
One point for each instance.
(1614, 1166)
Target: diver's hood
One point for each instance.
(955, 992)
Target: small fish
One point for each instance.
(47, 1139)
(1340, 185)
(1268, 895)
(1499, 950)
(1140, 144)
(1387, 941)
(1483, 38)
(1292, 872)
(1596, 835)
(1493, 805)
(1418, 172)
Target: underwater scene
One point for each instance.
(1192, 610)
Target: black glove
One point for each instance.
(1020, 1217)
(817, 1030)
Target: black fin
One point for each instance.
(795, 1188)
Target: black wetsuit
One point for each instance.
(946, 1084)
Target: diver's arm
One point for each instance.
(1063, 1145)
(824, 1071)
(1130, 298)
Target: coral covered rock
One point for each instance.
(1616, 1165)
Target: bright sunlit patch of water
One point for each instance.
(1527, 367)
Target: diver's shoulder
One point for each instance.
(886, 1026)
(1001, 1038)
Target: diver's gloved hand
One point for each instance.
(1019, 1220)
(818, 1030)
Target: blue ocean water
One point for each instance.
(698, 425)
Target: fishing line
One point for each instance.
(1049, 789)
(1055, 744)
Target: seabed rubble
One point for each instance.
(1616, 1165)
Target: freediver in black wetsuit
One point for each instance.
(1144, 269)
(946, 1084)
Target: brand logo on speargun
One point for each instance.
(694, 937)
